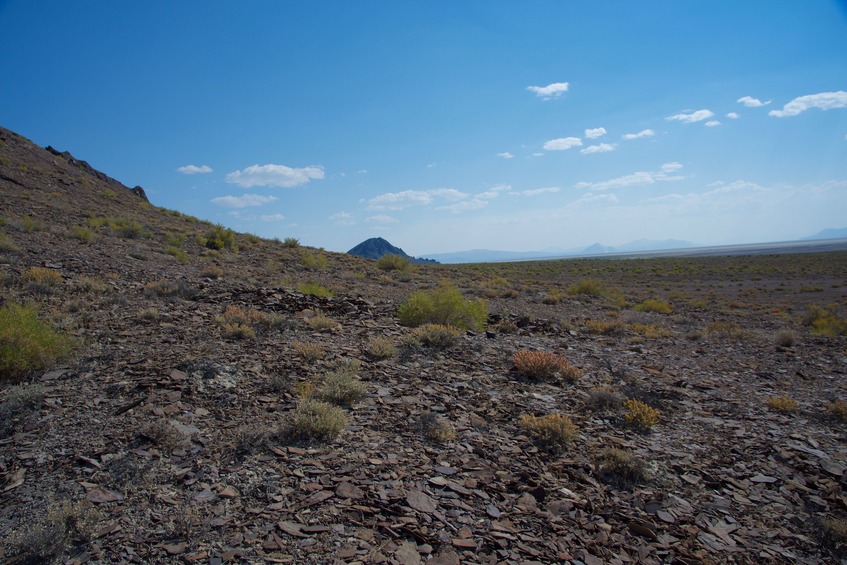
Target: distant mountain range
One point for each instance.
(830, 233)
(376, 247)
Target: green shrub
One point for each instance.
(221, 238)
(29, 224)
(341, 387)
(316, 420)
(639, 415)
(621, 467)
(434, 336)
(81, 233)
(443, 305)
(652, 305)
(314, 261)
(586, 287)
(27, 343)
(393, 262)
(314, 289)
(553, 431)
(381, 348)
(825, 321)
(180, 255)
(291, 243)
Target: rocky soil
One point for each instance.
(159, 440)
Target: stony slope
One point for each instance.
(166, 425)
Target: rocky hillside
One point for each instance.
(203, 396)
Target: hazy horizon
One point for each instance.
(447, 127)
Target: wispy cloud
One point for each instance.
(751, 102)
(697, 116)
(271, 217)
(733, 116)
(194, 169)
(822, 101)
(472, 204)
(381, 219)
(642, 133)
(505, 155)
(562, 143)
(712, 123)
(342, 219)
(637, 178)
(554, 90)
(594, 133)
(278, 176)
(601, 148)
(537, 191)
(243, 201)
(409, 198)
(590, 198)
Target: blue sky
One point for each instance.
(446, 126)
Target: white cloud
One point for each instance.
(712, 123)
(637, 178)
(733, 116)
(595, 133)
(271, 217)
(537, 191)
(408, 198)
(505, 155)
(562, 143)
(381, 219)
(822, 100)
(473, 204)
(595, 198)
(751, 102)
(553, 90)
(194, 169)
(697, 116)
(341, 216)
(361, 171)
(642, 133)
(274, 175)
(243, 201)
(601, 148)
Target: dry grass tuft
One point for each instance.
(545, 366)
(782, 403)
(434, 336)
(322, 323)
(316, 420)
(553, 431)
(436, 427)
(310, 352)
(620, 467)
(640, 415)
(381, 348)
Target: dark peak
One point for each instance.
(376, 247)
(84, 166)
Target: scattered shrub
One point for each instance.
(784, 338)
(65, 523)
(180, 255)
(27, 343)
(291, 243)
(782, 403)
(20, 400)
(553, 431)
(81, 233)
(313, 261)
(7, 244)
(639, 415)
(825, 321)
(85, 283)
(443, 305)
(586, 287)
(505, 326)
(436, 427)
(42, 276)
(729, 330)
(393, 262)
(309, 352)
(149, 314)
(128, 229)
(604, 328)
(545, 366)
(341, 387)
(620, 467)
(166, 288)
(605, 398)
(321, 322)
(161, 433)
(314, 289)
(236, 330)
(652, 305)
(29, 224)
(221, 238)
(212, 272)
(553, 296)
(838, 410)
(316, 420)
(381, 348)
(434, 336)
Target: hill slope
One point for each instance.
(376, 247)
(165, 437)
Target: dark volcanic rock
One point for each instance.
(376, 247)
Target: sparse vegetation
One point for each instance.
(785, 338)
(824, 320)
(310, 352)
(341, 387)
(586, 287)
(322, 323)
(640, 415)
(313, 261)
(436, 428)
(605, 398)
(27, 343)
(553, 431)
(42, 276)
(64, 524)
(316, 420)
(81, 233)
(381, 348)
(443, 305)
(169, 288)
(620, 467)
(604, 327)
(838, 410)
(782, 403)
(314, 289)
(291, 243)
(653, 305)
(393, 262)
(434, 336)
(545, 366)
(221, 238)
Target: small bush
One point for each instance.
(554, 296)
(309, 352)
(545, 366)
(212, 272)
(605, 398)
(639, 415)
(443, 305)
(652, 305)
(90, 284)
(782, 403)
(825, 321)
(322, 323)
(291, 243)
(381, 348)
(393, 262)
(341, 387)
(64, 523)
(586, 287)
(436, 427)
(27, 343)
(784, 338)
(81, 233)
(729, 330)
(236, 330)
(7, 244)
(434, 336)
(162, 434)
(20, 400)
(838, 410)
(128, 229)
(149, 314)
(42, 276)
(166, 288)
(221, 238)
(601, 327)
(313, 261)
(314, 289)
(29, 224)
(316, 420)
(553, 431)
(178, 254)
(620, 467)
